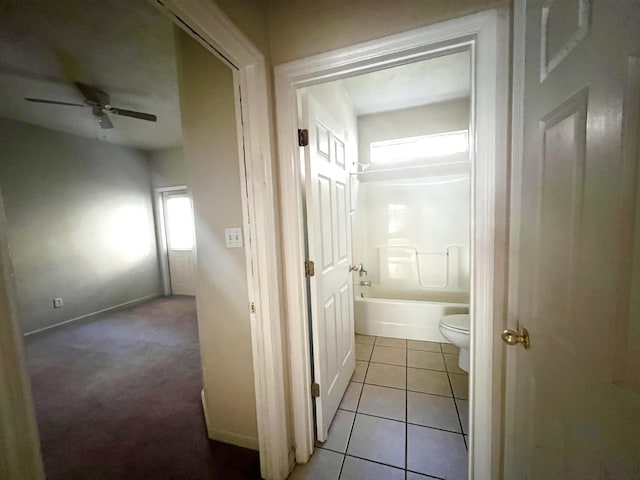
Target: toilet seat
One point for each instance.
(458, 323)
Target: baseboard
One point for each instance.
(224, 436)
(130, 303)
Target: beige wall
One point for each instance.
(80, 221)
(168, 168)
(412, 122)
(211, 155)
(300, 28)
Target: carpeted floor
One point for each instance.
(118, 397)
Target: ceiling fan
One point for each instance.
(100, 105)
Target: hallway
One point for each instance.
(118, 396)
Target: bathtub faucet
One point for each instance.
(365, 283)
(362, 271)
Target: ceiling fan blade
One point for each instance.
(130, 113)
(53, 102)
(93, 95)
(104, 122)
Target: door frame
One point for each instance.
(161, 233)
(486, 34)
(209, 26)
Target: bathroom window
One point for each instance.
(417, 148)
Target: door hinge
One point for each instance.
(315, 390)
(303, 137)
(309, 268)
(253, 307)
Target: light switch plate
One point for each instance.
(233, 237)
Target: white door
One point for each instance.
(178, 213)
(329, 245)
(574, 395)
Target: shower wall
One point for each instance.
(411, 226)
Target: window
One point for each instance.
(417, 148)
(179, 223)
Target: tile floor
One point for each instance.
(404, 416)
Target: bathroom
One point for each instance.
(403, 135)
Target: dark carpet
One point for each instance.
(118, 397)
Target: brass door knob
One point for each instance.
(354, 268)
(513, 337)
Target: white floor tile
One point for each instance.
(360, 371)
(463, 410)
(452, 364)
(437, 453)
(390, 355)
(383, 402)
(379, 440)
(357, 469)
(449, 348)
(432, 411)
(387, 375)
(391, 342)
(339, 431)
(426, 346)
(351, 397)
(323, 465)
(363, 351)
(366, 339)
(430, 360)
(428, 381)
(460, 384)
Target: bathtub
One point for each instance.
(415, 316)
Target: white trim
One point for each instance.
(484, 33)
(19, 441)
(205, 22)
(161, 233)
(120, 306)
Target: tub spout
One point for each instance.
(365, 283)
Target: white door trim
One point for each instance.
(161, 233)
(486, 34)
(19, 441)
(208, 25)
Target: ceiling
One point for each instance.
(429, 81)
(123, 47)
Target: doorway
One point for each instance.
(176, 240)
(476, 34)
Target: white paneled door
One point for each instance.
(329, 246)
(573, 397)
(178, 213)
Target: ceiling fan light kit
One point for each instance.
(100, 104)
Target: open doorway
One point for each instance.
(387, 187)
(176, 240)
(105, 353)
(415, 184)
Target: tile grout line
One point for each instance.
(406, 419)
(355, 414)
(400, 421)
(455, 403)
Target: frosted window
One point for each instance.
(416, 148)
(179, 223)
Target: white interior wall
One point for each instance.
(80, 222)
(222, 298)
(168, 167)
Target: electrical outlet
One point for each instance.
(233, 237)
(57, 303)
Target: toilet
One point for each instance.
(455, 328)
